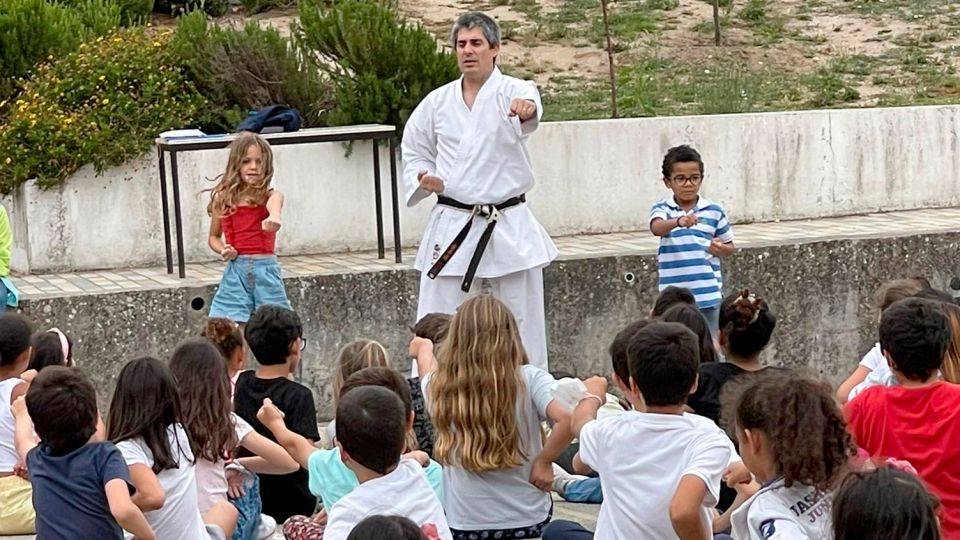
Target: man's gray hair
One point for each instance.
(469, 21)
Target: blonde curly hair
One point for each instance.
(231, 191)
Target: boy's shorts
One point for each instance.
(248, 282)
(16, 506)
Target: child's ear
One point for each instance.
(721, 338)
(890, 361)
(634, 389)
(344, 456)
(618, 382)
(696, 383)
(753, 440)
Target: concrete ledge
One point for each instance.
(820, 291)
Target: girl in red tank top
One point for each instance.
(244, 219)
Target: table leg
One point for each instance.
(168, 250)
(396, 205)
(377, 195)
(177, 216)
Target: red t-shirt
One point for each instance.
(920, 425)
(243, 230)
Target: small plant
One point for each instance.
(32, 31)
(662, 5)
(381, 65)
(102, 104)
(214, 8)
(830, 88)
(240, 69)
(256, 6)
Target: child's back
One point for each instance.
(287, 494)
(641, 458)
(372, 433)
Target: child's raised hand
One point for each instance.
(597, 386)
(688, 220)
(418, 345)
(28, 375)
(19, 407)
(228, 253)
(541, 474)
(419, 456)
(269, 413)
(738, 473)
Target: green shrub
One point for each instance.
(256, 6)
(32, 31)
(249, 68)
(381, 65)
(102, 104)
(214, 8)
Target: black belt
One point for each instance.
(489, 211)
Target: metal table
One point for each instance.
(371, 132)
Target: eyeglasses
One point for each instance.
(303, 343)
(684, 180)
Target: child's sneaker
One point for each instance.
(266, 528)
(561, 478)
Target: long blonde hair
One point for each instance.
(950, 371)
(354, 356)
(473, 394)
(231, 190)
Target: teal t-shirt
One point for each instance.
(330, 479)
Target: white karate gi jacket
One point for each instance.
(481, 156)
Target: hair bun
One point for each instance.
(748, 308)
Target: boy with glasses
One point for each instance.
(694, 233)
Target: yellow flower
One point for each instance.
(102, 77)
(50, 57)
(156, 43)
(93, 125)
(99, 39)
(2, 103)
(117, 39)
(105, 101)
(7, 161)
(33, 123)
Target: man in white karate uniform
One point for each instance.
(466, 142)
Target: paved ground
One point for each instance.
(571, 247)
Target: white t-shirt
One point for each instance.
(503, 499)
(179, 518)
(8, 453)
(641, 458)
(212, 477)
(404, 492)
(780, 513)
(880, 372)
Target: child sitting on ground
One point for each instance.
(145, 424)
(15, 494)
(50, 348)
(216, 433)
(672, 296)
(746, 326)
(874, 365)
(81, 489)
(661, 469)
(691, 317)
(487, 404)
(275, 337)
(793, 439)
(228, 337)
(882, 504)
(917, 420)
(330, 479)
(371, 435)
(354, 356)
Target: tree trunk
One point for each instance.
(716, 22)
(613, 70)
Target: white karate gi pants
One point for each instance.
(522, 292)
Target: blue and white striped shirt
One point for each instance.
(684, 259)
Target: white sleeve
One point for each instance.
(419, 149)
(134, 453)
(873, 358)
(657, 211)
(709, 458)
(540, 387)
(592, 437)
(528, 90)
(240, 427)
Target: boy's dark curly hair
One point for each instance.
(801, 419)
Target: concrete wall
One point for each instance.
(593, 176)
(825, 322)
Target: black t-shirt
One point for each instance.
(713, 377)
(287, 494)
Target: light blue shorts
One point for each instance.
(248, 282)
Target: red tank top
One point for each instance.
(243, 231)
